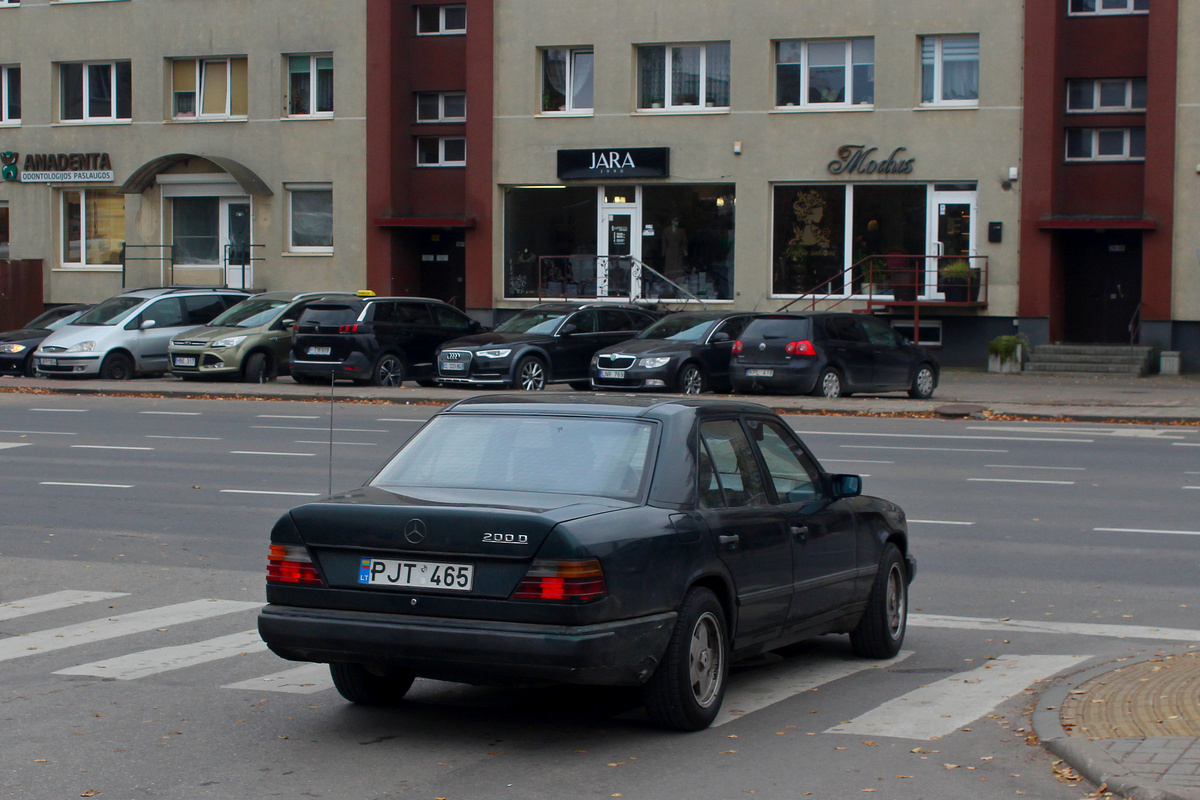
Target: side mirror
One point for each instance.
(286, 323)
(477, 326)
(148, 323)
(845, 485)
(720, 336)
(567, 330)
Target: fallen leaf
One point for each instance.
(839, 748)
(904, 776)
(616, 763)
(950, 766)
(869, 743)
(40, 760)
(88, 793)
(725, 752)
(731, 736)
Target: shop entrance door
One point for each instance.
(235, 242)
(952, 232)
(618, 269)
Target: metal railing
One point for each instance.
(594, 277)
(1135, 325)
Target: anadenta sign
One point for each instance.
(63, 168)
(615, 162)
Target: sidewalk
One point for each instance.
(1160, 398)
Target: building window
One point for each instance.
(683, 76)
(441, 20)
(1106, 95)
(209, 88)
(950, 70)
(567, 79)
(10, 94)
(93, 227)
(95, 92)
(441, 151)
(1106, 144)
(310, 86)
(441, 107)
(1109, 6)
(828, 74)
(310, 219)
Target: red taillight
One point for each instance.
(348, 328)
(291, 564)
(570, 581)
(803, 348)
(737, 346)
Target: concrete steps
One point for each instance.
(1089, 359)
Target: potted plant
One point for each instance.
(1006, 353)
(954, 278)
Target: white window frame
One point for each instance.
(83, 228)
(442, 116)
(201, 62)
(1093, 137)
(1096, 107)
(1127, 7)
(804, 64)
(939, 71)
(443, 29)
(298, 188)
(569, 107)
(5, 86)
(9, 3)
(313, 113)
(86, 70)
(669, 55)
(442, 160)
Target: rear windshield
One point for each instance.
(329, 315)
(53, 319)
(562, 455)
(111, 311)
(249, 314)
(777, 329)
(680, 327)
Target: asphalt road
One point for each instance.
(133, 539)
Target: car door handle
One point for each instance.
(729, 542)
(800, 532)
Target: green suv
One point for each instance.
(252, 340)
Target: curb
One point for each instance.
(1083, 755)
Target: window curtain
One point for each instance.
(652, 73)
(299, 85)
(716, 90)
(960, 68)
(581, 80)
(105, 223)
(312, 219)
(685, 76)
(554, 80)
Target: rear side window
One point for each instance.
(778, 329)
(166, 313)
(844, 329)
(612, 319)
(325, 315)
(734, 478)
(447, 317)
(412, 314)
(199, 310)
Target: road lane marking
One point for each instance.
(52, 602)
(944, 706)
(1185, 444)
(320, 430)
(43, 433)
(314, 441)
(165, 659)
(1129, 431)
(87, 485)
(61, 410)
(8, 445)
(266, 453)
(1044, 626)
(263, 491)
(197, 438)
(757, 688)
(939, 522)
(308, 679)
(940, 436)
(287, 416)
(1022, 466)
(108, 447)
(934, 449)
(1151, 530)
(857, 461)
(173, 413)
(98, 630)
(1021, 480)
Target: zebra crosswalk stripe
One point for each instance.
(944, 706)
(308, 679)
(98, 630)
(166, 659)
(52, 602)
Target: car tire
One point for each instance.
(829, 384)
(581, 386)
(29, 368)
(880, 632)
(389, 370)
(257, 369)
(691, 379)
(922, 383)
(530, 375)
(116, 367)
(686, 690)
(359, 685)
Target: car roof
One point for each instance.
(297, 295)
(353, 298)
(158, 291)
(613, 405)
(704, 313)
(568, 307)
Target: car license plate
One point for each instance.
(319, 351)
(47, 362)
(759, 373)
(424, 574)
(453, 366)
(612, 373)
(185, 361)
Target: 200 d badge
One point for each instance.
(506, 538)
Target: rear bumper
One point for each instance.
(620, 653)
(795, 377)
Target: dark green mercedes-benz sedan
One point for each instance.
(625, 541)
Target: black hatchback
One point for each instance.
(374, 340)
(687, 352)
(829, 354)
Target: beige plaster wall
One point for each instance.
(1185, 284)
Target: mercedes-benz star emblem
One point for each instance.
(414, 531)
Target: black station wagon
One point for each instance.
(624, 541)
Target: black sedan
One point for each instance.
(629, 541)
(549, 343)
(687, 352)
(16, 347)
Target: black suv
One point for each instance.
(374, 340)
(831, 355)
(549, 343)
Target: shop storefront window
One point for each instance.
(687, 236)
(93, 228)
(549, 221)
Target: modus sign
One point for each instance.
(67, 168)
(615, 162)
(857, 159)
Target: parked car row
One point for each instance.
(383, 341)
